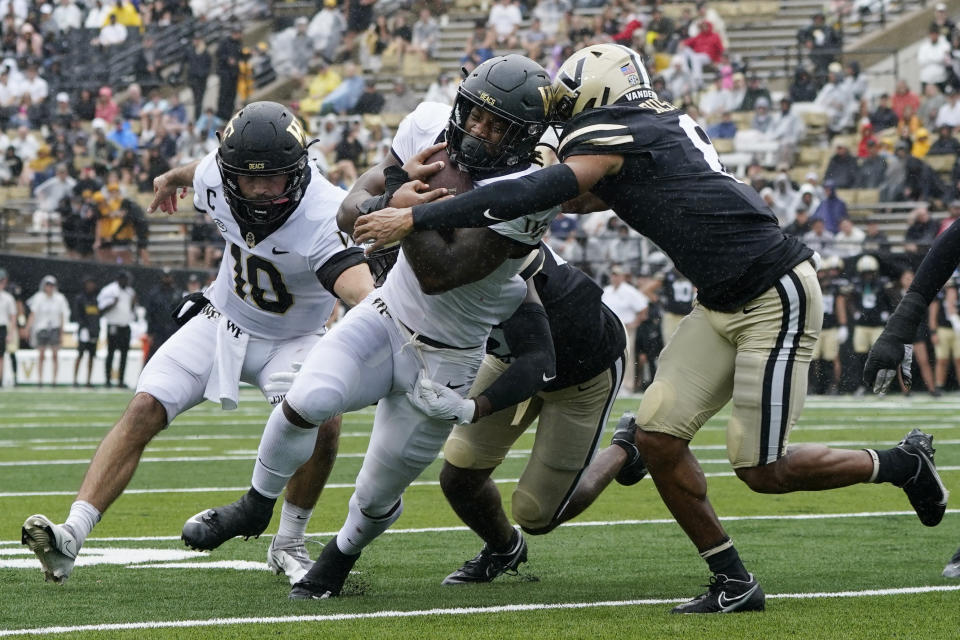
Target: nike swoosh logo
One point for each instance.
(486, 214)
(731, 604)
(745, 310)
(580, 387)
(452, 386)
(546, 379)
(279, 253)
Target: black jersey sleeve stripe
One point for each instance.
(592, 131)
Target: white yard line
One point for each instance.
(457, 611)
(591, 523)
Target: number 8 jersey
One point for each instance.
(270, 289)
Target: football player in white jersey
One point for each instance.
(284, 265)
(431, 317)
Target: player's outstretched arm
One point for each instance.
(490, 204)
(894, 348)
(171, 186)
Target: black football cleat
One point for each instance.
(625, 437)
(952, 570)
(326, 577)
(726, 595)
(924, 488)
(488, 564)
(247, 517)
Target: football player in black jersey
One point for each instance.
(944, 326)
(758, 314)
(835, 332)
(871, 301)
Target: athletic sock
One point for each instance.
(83, 516)
(359, 529)
(283, 448)
(724, 559)
(293, 521)
(895, 466)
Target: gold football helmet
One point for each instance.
(598, 75)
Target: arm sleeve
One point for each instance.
(330, 271)
(939, 263)
(500, 201)
(528, 333)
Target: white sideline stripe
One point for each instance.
(165, 438)
(337, 617)
(594, 523)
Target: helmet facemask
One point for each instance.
(514, 149)
(263, 213)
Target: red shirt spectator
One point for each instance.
(707, 41)
(625, 35)
(902, 97)
(866, 135)
(106, 108)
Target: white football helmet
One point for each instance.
(598, 75)
(867, 263)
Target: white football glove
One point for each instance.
(843, 333)
(440, 402)
(279, 383)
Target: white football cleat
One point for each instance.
(289, 556)
(54, 545)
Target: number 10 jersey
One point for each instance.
(270, 288)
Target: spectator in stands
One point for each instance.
(755, 90)
(228, 69)
(920, 233)
(111, 34)
(116, 302)
(903, 97)
(360, 15)
(11, 166)
(660, 30)
(921, 145)
(324, 81)
(832, 209)
(49, 194)
(818, 238)
(866, 136)
(949, 111)
(933, 57)
(803, 88)
(198, 63)
(801, 224)
(146, 66)
(49, 312)
(29, 43)
(479, 47)
(701, 50)
(660, 86)
(873, 168)
(345, 96)
(132, 105)
(505, 19)
(834, 99)
(883, 117)
(680, 81)
(550, 13)
(87, 316)
(78, 222)
(784, 195)
(821, 42)
(67, 16)
(426, 35)
(401, 99)
(841, 171)
(350, 148)
(848, 241)
(371, 100)
(327, 28)
(762, 120)
(942, 21)
(875, 241)
(854, 82)
(443, 90)
(106, 109)
(122, 134)
(97, 13)
(945, 144)
(32, 84)
(725, 129)
(953, 214)
(933, 99)
(533, 40)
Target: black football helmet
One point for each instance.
(514, 88)
(263, 139)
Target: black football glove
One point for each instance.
(886, 356)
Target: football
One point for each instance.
(450, 177)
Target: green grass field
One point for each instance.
(852, 563)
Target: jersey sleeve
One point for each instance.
(419, 130)
(207, 175)
(594, 132)
(326, 240)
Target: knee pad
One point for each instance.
(316, 405)
(658, 400)
(459, 453)
(527, 512)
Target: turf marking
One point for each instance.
(511, 608)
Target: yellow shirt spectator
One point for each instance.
(126, 13)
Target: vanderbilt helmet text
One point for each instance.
(599, 75)
(513, 88)
(263, 139)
